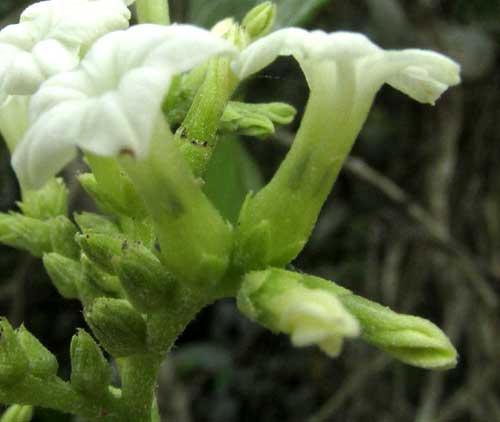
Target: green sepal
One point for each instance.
(145, 280)
(42, 363)
(252, 248)
(64, 273)
(259, 20)
(120, 329)
(101, 248)
(47, 202)
(257, 120)
(89, 222)
(17, 413)
(62, 237)
(90, 371)
(14, 364)
(25, 233)
(138, 231)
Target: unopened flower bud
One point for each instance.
(279, 301)
(14, 365)
(118, 326)
(25, 233)
(89, 222)
(144, 278)
(64, 273)
(259, 21)
(101, 248)
(62, 236)
(42, 363)
(90, 371)
(48, 202)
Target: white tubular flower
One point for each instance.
(50, 38)
(111, 103)
(14, 120)
(344, 57)
(344, 71)
(314, 316)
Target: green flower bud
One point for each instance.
(255, 119)
(278, 300)
(121, 198)
(106, 283)
(89, 222)
(42, 363)
(62, 237)
(48, 202)
(143, 277)
(259, 21)
(90, 371)
(25, 233)
(14, 365)
(101, 248)
(410, 339)
(17, 413)
(119, 327)
(64, 273)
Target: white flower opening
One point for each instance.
(50, 38)
(314, 316)
(111, 103)
(346, 57)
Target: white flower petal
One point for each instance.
(114, 97)
(54, 32)
(423, 75)
(14, 119)
(52, 57)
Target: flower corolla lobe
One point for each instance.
(112, 101)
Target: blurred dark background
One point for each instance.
(413, 222)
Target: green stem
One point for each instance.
(153, 11)
(197, 137)
(139, 374)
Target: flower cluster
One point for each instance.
(145, 106)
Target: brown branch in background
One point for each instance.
(13, 17)
(474, 271)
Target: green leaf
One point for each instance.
(231, 174)
(297, 12)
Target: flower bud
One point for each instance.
(14, 365)
(144, 279)
(64, 273)
(62, 237)
(101, 248)
(90, 371)
(259, 21)
(17, 413)
(408, 338)
(279, 301)
(255, 119)
(25, 233)
(118, 326)
(89, 222)
(105, 283)
(48, 202)
(42, 363)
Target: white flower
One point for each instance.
(111, 103)
(315, 316)
(345, 58)
(14, 119)
(49, 39)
